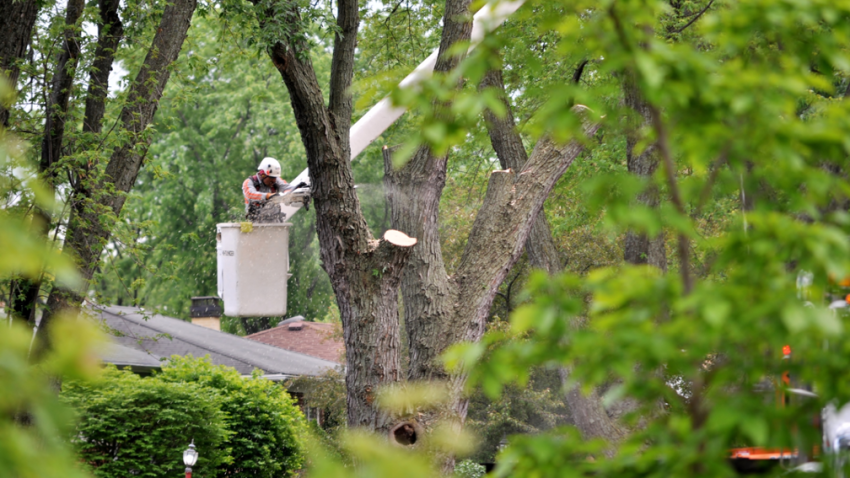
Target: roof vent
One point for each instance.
(295, 326)
(297, 318)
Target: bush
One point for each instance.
(140, 426)
(130, 425)
(267, 427)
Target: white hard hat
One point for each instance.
(270, 166)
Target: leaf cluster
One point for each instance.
(130, 424)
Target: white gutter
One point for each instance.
(383, 114)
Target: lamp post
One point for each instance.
(190, 457)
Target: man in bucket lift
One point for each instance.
(263, 186)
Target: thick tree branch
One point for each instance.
(60, 92)
(54, 134)
(503, 223)
(507, 143)
(110, 31)
(364, 272)
(579, 71)
(587, 411)
(414, 206)
(342, 70)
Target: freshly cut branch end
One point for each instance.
(398, 238)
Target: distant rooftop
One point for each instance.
(310, 338)
(122, 356)
(166, 336)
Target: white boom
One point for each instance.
(383, 114)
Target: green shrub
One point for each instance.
(267, 427)
(130, 425)
(136, 426)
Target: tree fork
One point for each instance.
(364, 272)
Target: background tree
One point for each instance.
(95, 201)
(219, 119)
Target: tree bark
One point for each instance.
(540, 246)
(588, 414)
(428, 295)
(639, 248)
(110, 31)
(364, 272)
(89, 228)
(17, 18)
(51, 146)
(501, 228)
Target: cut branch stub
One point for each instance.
(398, 238)
(406, 433)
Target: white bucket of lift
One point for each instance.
(253, 268)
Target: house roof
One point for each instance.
(122, 356)
(165, 336)
(311, 338)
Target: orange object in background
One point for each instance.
(756, 453)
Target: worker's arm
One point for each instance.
(283, 186)
(251, 193)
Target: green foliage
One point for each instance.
(130, 425)
(23, 252)
(469, 469)
(34, 424)
(531, 409)
(747, 101)
(266, 427)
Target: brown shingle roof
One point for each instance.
(314, 339)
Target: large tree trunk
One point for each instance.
(502, 226)
(587, 411)
(88, 228)
(429, 297)
(364, 272)
(639, 248)
(56, 110)
(17, 18)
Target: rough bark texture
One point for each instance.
(87, 229)
(507, 143)
(501, 228)
(429, 297)
(364, 272)
(17, 18)
(638, 248)
(588, 414)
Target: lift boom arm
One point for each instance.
(383, 114)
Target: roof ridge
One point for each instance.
(145, 323)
